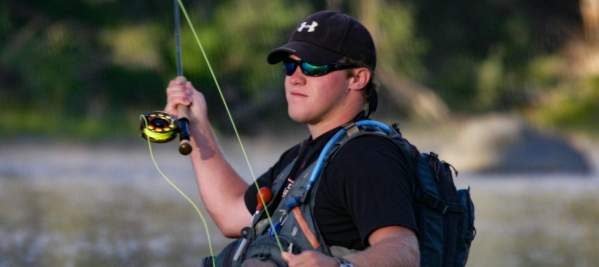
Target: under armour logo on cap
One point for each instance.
(310, 27)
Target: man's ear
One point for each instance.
(359, 79)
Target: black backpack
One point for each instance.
(445, 215)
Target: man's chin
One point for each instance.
(296, 119)
(299, 118)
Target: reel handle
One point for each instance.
(183, 125)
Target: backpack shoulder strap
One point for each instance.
(279, 181)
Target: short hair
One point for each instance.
(369, 93)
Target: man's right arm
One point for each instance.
(221, 188)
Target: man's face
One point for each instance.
(314, 99)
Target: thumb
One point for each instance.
(286, 256)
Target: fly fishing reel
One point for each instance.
(161, 127)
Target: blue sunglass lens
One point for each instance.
(307, 68)
(314, 70)
(289, 67)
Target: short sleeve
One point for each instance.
(373, 180)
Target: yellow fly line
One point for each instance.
(185, 196)
(160, 136)
(230, 116)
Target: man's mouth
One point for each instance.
(298, 94)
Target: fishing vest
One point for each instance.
(293, 220)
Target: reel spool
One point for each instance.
(158, 127)
(161, 127)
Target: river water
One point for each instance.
(104, 204)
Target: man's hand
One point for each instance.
(258, 263)
(181, 92)
(309, 258)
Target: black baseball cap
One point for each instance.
(325, 37)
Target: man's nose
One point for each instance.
(297, 77)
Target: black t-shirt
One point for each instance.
(366, 186)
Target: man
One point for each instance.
(363, 203)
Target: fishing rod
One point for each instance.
(161, 127)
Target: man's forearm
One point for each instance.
(221, 188)
(391, 252)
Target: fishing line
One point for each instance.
(185, 196)
(230, 116)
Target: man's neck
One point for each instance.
(320, 128)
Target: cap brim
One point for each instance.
(306, 51)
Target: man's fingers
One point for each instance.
(176, 87)
(179, 97)
(189, 86)
(286, 256)
(179, 92)
(183, 88)
(293, 260)
(171, 107)
(308, 258)
(178, 80)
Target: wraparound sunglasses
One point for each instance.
(289, 66)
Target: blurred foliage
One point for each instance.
(572, 105)
(90, 67)
(480, 52)
(394, 29)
